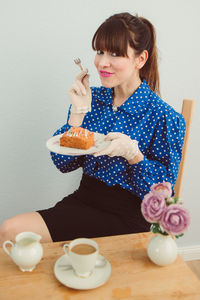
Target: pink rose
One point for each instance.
(175, 219)
(152, 207)
(163, 188)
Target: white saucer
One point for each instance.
(53, 144)
(65, 274)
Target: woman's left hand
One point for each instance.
(121, 145)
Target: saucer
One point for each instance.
(53, 144)
(65, 274)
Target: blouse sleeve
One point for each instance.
(66, 163)
(161, 162)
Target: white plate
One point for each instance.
(53, 144)
(65, 274)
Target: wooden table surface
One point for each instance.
(133, 276)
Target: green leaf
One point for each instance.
(176, 199)
(156, 228)
(180, 235)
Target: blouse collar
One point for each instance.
(133, 104)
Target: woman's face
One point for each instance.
(116, 70)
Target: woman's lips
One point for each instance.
(105, 73)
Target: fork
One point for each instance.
(78, 62)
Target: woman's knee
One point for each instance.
(24, 222)
(7, 230)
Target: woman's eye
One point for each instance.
(114, 54)
(99, 52)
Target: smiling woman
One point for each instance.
(145, 137)
(121, 70)
(134, 38)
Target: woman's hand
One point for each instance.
(122, 145)
(80, 94)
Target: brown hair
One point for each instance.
(121, 30)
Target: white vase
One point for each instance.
(162, 250)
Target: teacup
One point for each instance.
(83, 254)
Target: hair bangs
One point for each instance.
(112, 37)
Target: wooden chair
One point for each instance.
(187, 112)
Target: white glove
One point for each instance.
(121, 145)
(80, 94)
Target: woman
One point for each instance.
(146, 137)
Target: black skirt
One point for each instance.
(95, 210)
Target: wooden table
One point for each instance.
(133, 276)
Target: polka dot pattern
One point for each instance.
(157, 127)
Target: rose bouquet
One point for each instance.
(167, 215)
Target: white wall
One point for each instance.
(39, 39)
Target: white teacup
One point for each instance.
(83, 254)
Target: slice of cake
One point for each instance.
(77, 137)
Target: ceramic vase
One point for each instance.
(162, 250)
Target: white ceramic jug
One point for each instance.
(27, 251)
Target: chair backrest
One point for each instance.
(187, 112)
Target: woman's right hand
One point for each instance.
(80, 94)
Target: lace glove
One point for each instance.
(80, 94)
(121, 145)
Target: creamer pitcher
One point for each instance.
(27, 251)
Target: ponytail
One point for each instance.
(150, 69)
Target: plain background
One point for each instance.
(38, 41)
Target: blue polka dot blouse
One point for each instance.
(157, 127)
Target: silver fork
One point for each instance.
(78, 62)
